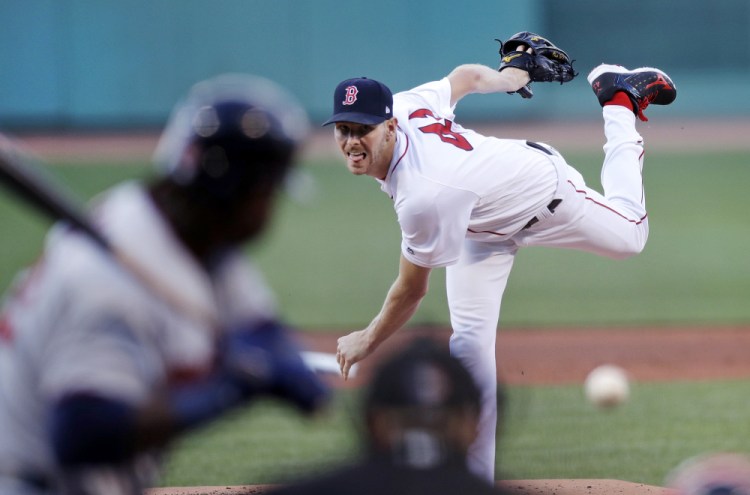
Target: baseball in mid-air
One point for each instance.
(607, 386)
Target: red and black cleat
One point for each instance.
(643, 86)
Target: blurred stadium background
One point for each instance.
(94, 64)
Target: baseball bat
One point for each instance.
(28, 182)
(21, 174)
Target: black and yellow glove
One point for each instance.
(545, 62)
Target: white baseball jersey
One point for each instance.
(77, 322)
(448, 184)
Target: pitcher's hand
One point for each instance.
(351, 349)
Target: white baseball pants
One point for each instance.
(613, 225)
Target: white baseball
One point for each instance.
(607, 386)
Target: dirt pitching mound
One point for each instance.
(514, 487)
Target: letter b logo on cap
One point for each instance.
(350, 96)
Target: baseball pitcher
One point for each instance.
(468, 202)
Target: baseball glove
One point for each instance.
(545, 63)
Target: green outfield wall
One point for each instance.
(81, 64)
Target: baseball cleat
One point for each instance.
(643, 86)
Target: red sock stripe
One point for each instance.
(621, 98)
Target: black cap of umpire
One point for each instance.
(423, 376)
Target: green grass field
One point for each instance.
(332, 258)
(548, 433)
(336, 256)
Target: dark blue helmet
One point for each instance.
(232, 134)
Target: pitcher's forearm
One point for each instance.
(396, 312)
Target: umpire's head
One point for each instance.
(422, 407)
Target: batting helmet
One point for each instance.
(231, 134)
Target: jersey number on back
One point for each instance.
(443, 130)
